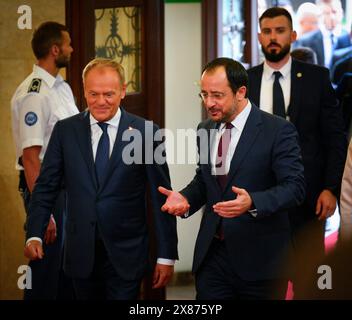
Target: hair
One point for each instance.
(307, 9)
(274, 12)
(45, 36)
(305, 54)
(104, 63)
(328, 2)
(236, 74)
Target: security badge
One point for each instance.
(35, 85)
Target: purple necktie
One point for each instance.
(223, 147)
(220, 168)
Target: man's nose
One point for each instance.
(101, 99)
(209, 102)
(273, 36)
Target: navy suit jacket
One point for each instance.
(314, 40)
(117, 207)
(341, 67)
(267, 163)
(317, 116)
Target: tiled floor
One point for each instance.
(180, 292)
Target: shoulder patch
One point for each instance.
(30, 118)
(35, 85)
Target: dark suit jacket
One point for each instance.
(314, 40)
(341, 67)
(315, 112)
(339, 55)
(267, 163)
(344, 93)
(117, 208)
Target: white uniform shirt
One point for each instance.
(38, 103)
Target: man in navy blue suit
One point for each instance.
(341, 67)
(329, 37)
(309, 102)
(250, 173)
(106, 247)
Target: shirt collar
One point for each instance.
(114, 121)
(46, 76)
(241, 119)
(327, 33)
(285, 70)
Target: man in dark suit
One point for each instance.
(328, 37)
(341, 67)
(106, 247)
(249, 174)
(310, 104)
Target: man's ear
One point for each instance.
(123, 91)
(293, 36)
(55, 50)
(241, 93)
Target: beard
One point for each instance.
(273, 55)
(62, 61)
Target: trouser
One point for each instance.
(216, 280)
(308, 247)
(104, 283)
(48, 279)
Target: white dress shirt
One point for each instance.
(327, 44)
(96, 131)
(266, 90)
(238, 125)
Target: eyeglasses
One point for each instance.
(214, 96)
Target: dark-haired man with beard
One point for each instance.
(302, 93)
(39, 102)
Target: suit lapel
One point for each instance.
(248, 136)
(297, 76)
(319, 45)
(85, 144)
(211, 130)
(255, 84)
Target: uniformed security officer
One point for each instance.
(39, 102)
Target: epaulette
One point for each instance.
(35, 85)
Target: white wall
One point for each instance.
(182, 105)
